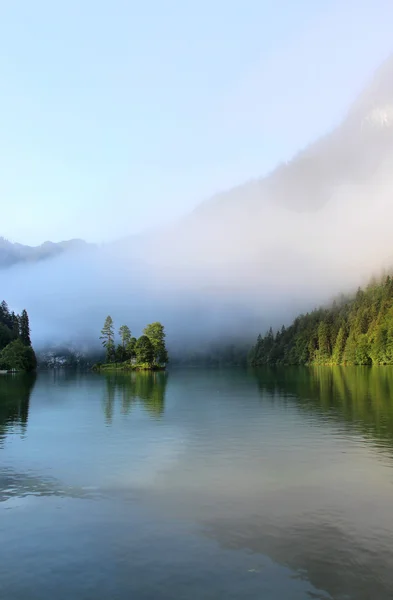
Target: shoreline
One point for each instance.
(125, 367)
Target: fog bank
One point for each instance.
(249, 258)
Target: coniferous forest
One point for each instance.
(354, 330)
(16, 352)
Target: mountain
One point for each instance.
(252, 256)
(351, 154)
(302, 214)
(14, 253)
(354, 154)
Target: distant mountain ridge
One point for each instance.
(339, 186)
(13, 253)
(352, 155)
(257, 254)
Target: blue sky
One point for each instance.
(117, 116)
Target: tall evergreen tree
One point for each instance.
(362, 352)
(339, 347)
(25, 328)
(323, 343)
(15, 325)
(5, 315)
(125, 335)
(108, 338)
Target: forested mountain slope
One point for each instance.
(353, 331)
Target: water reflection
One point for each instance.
(144, 388)
(362, 398)
(15, 391)
(242, 474)
(318, 548)
(334, 531)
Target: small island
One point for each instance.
(16, 352)
(147, 353)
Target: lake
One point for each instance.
(197, 484)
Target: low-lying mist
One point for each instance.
(250, 258)
(208, 279)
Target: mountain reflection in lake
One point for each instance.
(273, 484)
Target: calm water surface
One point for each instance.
(274, 484)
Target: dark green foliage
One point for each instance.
(127, 344)
(24, 328)
(339, 345)
(130, 349)
(16, 325)
(15, 394)
(156, 334)
(17, 356)
(15, 344)
(353, 331)
(5, 336)
(148, 352)
(125, 335)
(358, 396)
(144, 351)
(5, 315)
(108, 339)
(120, 354)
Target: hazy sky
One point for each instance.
(119, 115)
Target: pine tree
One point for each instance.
(125, 335)
(350, 349)
(5, 316)
(362, 352)
(312, 347)
(323, 343)
(269, 340)
(25, 328)
(339, 347)
(378, 343)
(15, 325)
(108, 338)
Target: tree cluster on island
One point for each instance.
(16, 352)
(353, 331)
(147, 352)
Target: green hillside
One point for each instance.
(353, 331)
